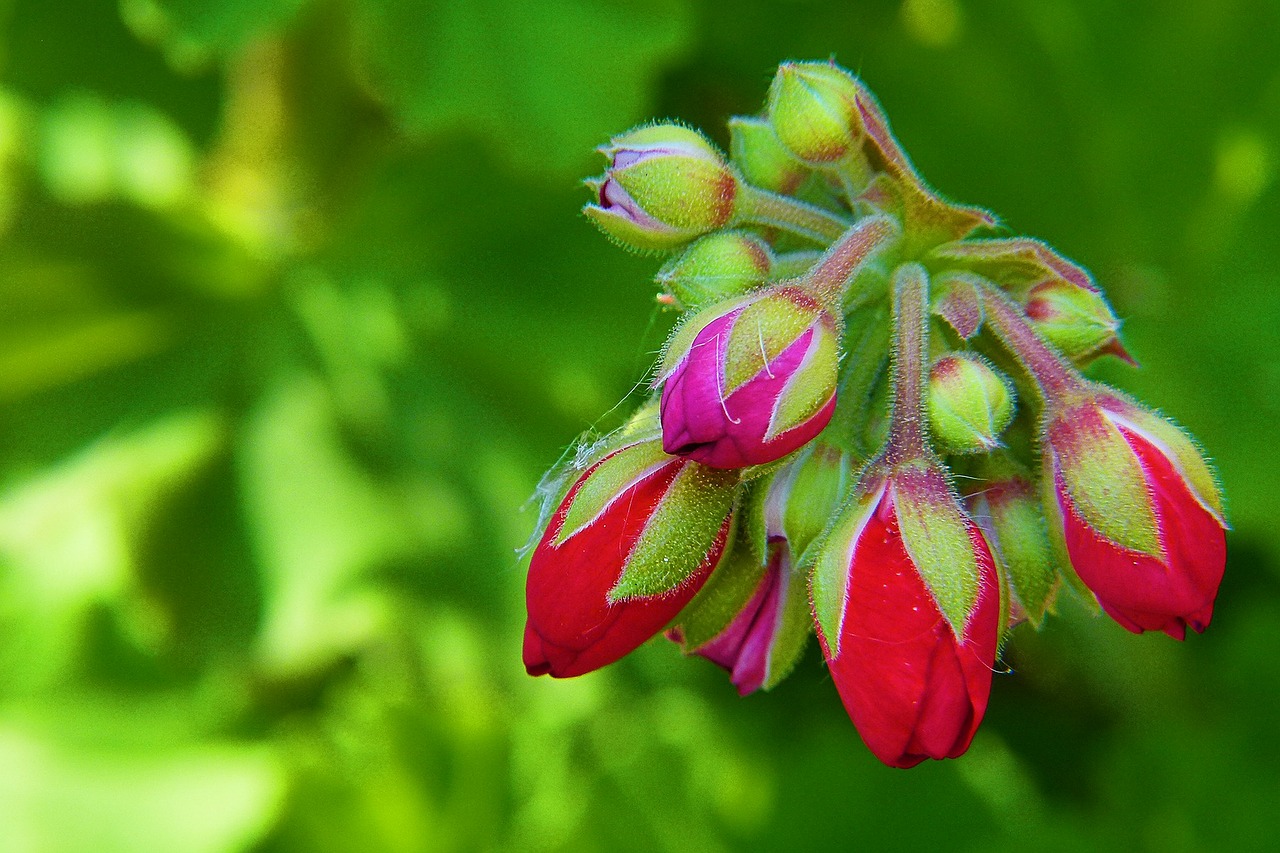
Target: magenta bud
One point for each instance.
(747, 382)
(664, 186)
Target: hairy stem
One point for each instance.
(761, 207)
(1056, 378)
(907, 438)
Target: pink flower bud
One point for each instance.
(746, 647)
(1139, 512)
(914, 686)
(748, 382)
(631, 543)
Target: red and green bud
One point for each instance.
(1077, 321)
(749, 381)
(716, 267)
(970, 403)
(1006, 505)
(1137, 510)
(813, 107)
(907, 604)
(765, 162)
(628, 547)
(664, 186)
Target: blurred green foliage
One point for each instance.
(295, 306)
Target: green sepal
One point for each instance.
(1021, 545)
(1015, 262)
(754, 516)
(829, 578)
(609, 481)
(795, 626)
(1104, 479)
(721, 598)
(719, 266)
(814, 486)
(935, 533)
(957, 301)
(1179, 447)
(756, 150)
(679, 534)
(763, 329)
(1057, 539)
(626, 233)
(809, 388)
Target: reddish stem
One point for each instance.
(1055, 376)
(907, 441)
(830, 276)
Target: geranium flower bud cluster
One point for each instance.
(870, 424)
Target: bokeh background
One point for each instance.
(296, 306)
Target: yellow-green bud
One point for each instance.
(715, 268)
(813, 108)
(664, 186)
(970, 404)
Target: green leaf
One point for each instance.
(193, 29)
(541, 81)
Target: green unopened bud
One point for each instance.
(802, 496)
(1006, 505)
(813, 108)
(1077, 321)
(664, 186)
(970, 403)
(715, 268)
(764, 161)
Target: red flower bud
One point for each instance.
(629, 546)
(749, 382)
(913, 685)
(1139, 513)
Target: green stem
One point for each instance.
(907, 437)
(760, 207)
